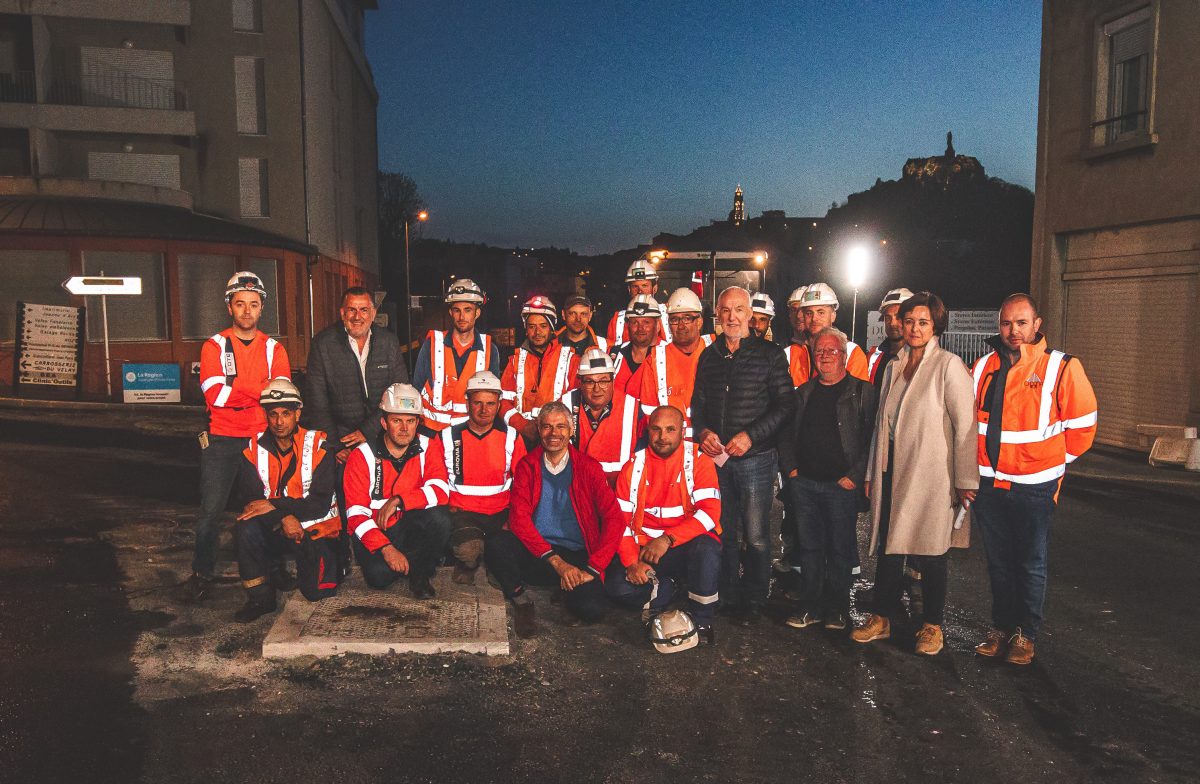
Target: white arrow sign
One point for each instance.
(96, 286)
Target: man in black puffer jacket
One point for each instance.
(742, 399)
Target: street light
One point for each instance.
(857, 261)
(420, 216)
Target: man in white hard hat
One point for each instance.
(448, 359)
(886, 351)
(607, 427)
(819, 305)
(669, 373)
(642, 323)
(762, 311)
(480, 454)
(235, 365)
(396, 491)
(576, 332)
(540, 371)
(640, 279)
(286, 493)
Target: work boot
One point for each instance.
(876, 628)
(929, 640)
(197, 588)
(524, 622)
(260, 600)
(1020, 649)
(707, 636)
(421, 588)
(993, 645)
(282, 579)
(463, 575)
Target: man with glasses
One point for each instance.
(607, 427)
(669, 372)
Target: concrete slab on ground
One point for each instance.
(461, 618)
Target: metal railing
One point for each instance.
(18, 87)
(1116, 127)
(111, 87)
(969, 346)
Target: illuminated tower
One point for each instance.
(738, 213)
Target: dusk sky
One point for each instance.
(595, 126)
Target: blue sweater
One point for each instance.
(554, 517)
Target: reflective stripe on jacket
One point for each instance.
(369, 482)
(800, 363)
(678, 495)
(444, 396)
(479, 468)
(233, 374)
(309, 445)
(613, 441)
(530, 382)
(672, 379)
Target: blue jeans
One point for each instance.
(219, 465)
(1016, 533)
(747, 489)
(697, 562)
(826, 543)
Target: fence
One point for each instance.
(970, 346)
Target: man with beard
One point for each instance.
(541, 371)
(642, 323)
(606, 426)
(576, 332)
(886, 351)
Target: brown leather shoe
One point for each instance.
(1020, 649)
(994, 644)
(929, 640)
(876, 628)
(524, 622)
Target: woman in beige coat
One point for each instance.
(921, 470)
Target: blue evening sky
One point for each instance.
(595, 125)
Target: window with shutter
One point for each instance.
(250, 95)
(252, 182)
(247, 16)
(145, 169)
(1124, 69)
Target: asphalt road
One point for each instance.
(106, 677)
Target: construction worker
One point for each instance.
(480, 454)
(671, 503)
(606, 426)
(799, 334)
(670, 369)
(819, 305)
(640, 278)
(762, 311)
(447, 360)
(642, 323)
(576, 331)
(396, 493)
(1037, 413)
(540, 371)
(235, 365)
(886, 351)
(286, 490)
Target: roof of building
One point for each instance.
(45, 215)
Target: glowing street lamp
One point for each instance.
(857, 262)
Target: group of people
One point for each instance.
(631, 467)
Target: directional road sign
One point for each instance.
(103, 285)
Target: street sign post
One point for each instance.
(49, 347)
(99, 285)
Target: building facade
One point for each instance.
(180, 141)
(1116, 244)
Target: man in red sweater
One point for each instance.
(235, 365)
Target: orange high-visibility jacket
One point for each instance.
(308, 446)
(614, 439)
(444, 396)
(480, 467)
(232, 375)
(1049, 415)
(800, 363)
(618, 332)
(668, 377)
(369, 481)
(530, 382)
(677, 496)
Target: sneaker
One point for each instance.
(994, 644)
(524, 620)
(463, 575)
(836, 622)
(421, 588)
(1020, 649)
(929, 640)
(197, 588)
(707, 635)
(876, 628)
(802, 620)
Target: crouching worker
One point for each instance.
(396, 495)
(671, 503)
(286, 485)
(565, 525)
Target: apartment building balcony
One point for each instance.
(169, 12)
(112, 190)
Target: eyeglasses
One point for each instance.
(675, 320)
(595, 382)
(827, 352)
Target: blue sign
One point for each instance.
(145, 383)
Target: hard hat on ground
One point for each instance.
(643, 306)
(761, 302)
(819, 294)
(673, 631)
(465, 290)
(401, 399)
(539, 305)
(684, 301)
(280, 392)
(797, 295)
(483, 381)
(245, 281)
(895, 297)
(641, 270)
(595, 362)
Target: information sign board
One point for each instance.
(49, 346)
(150, 383)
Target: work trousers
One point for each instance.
(421, 534)
(747, 488)
(1016, 534)
(260, 545)
(696, 563)
(219, 464)
(470, 530)
(889, 572)
(827, 544)
(511, 563)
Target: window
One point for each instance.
(31, 276)
(130, 318)
(252, 184)
(250, 95)
(202, 280)
(247, 16)
(1123, 77)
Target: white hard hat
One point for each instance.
(761, 302)
(465, 290)
(596, 362)
(483, 381)
(642, 306)
(245, 281)
(818, 294)
(684, 301)
(280, 392)
(673, 631)
(401, 399)
(895, 297)
(641, 270)
(539, 305)
(796, 295)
